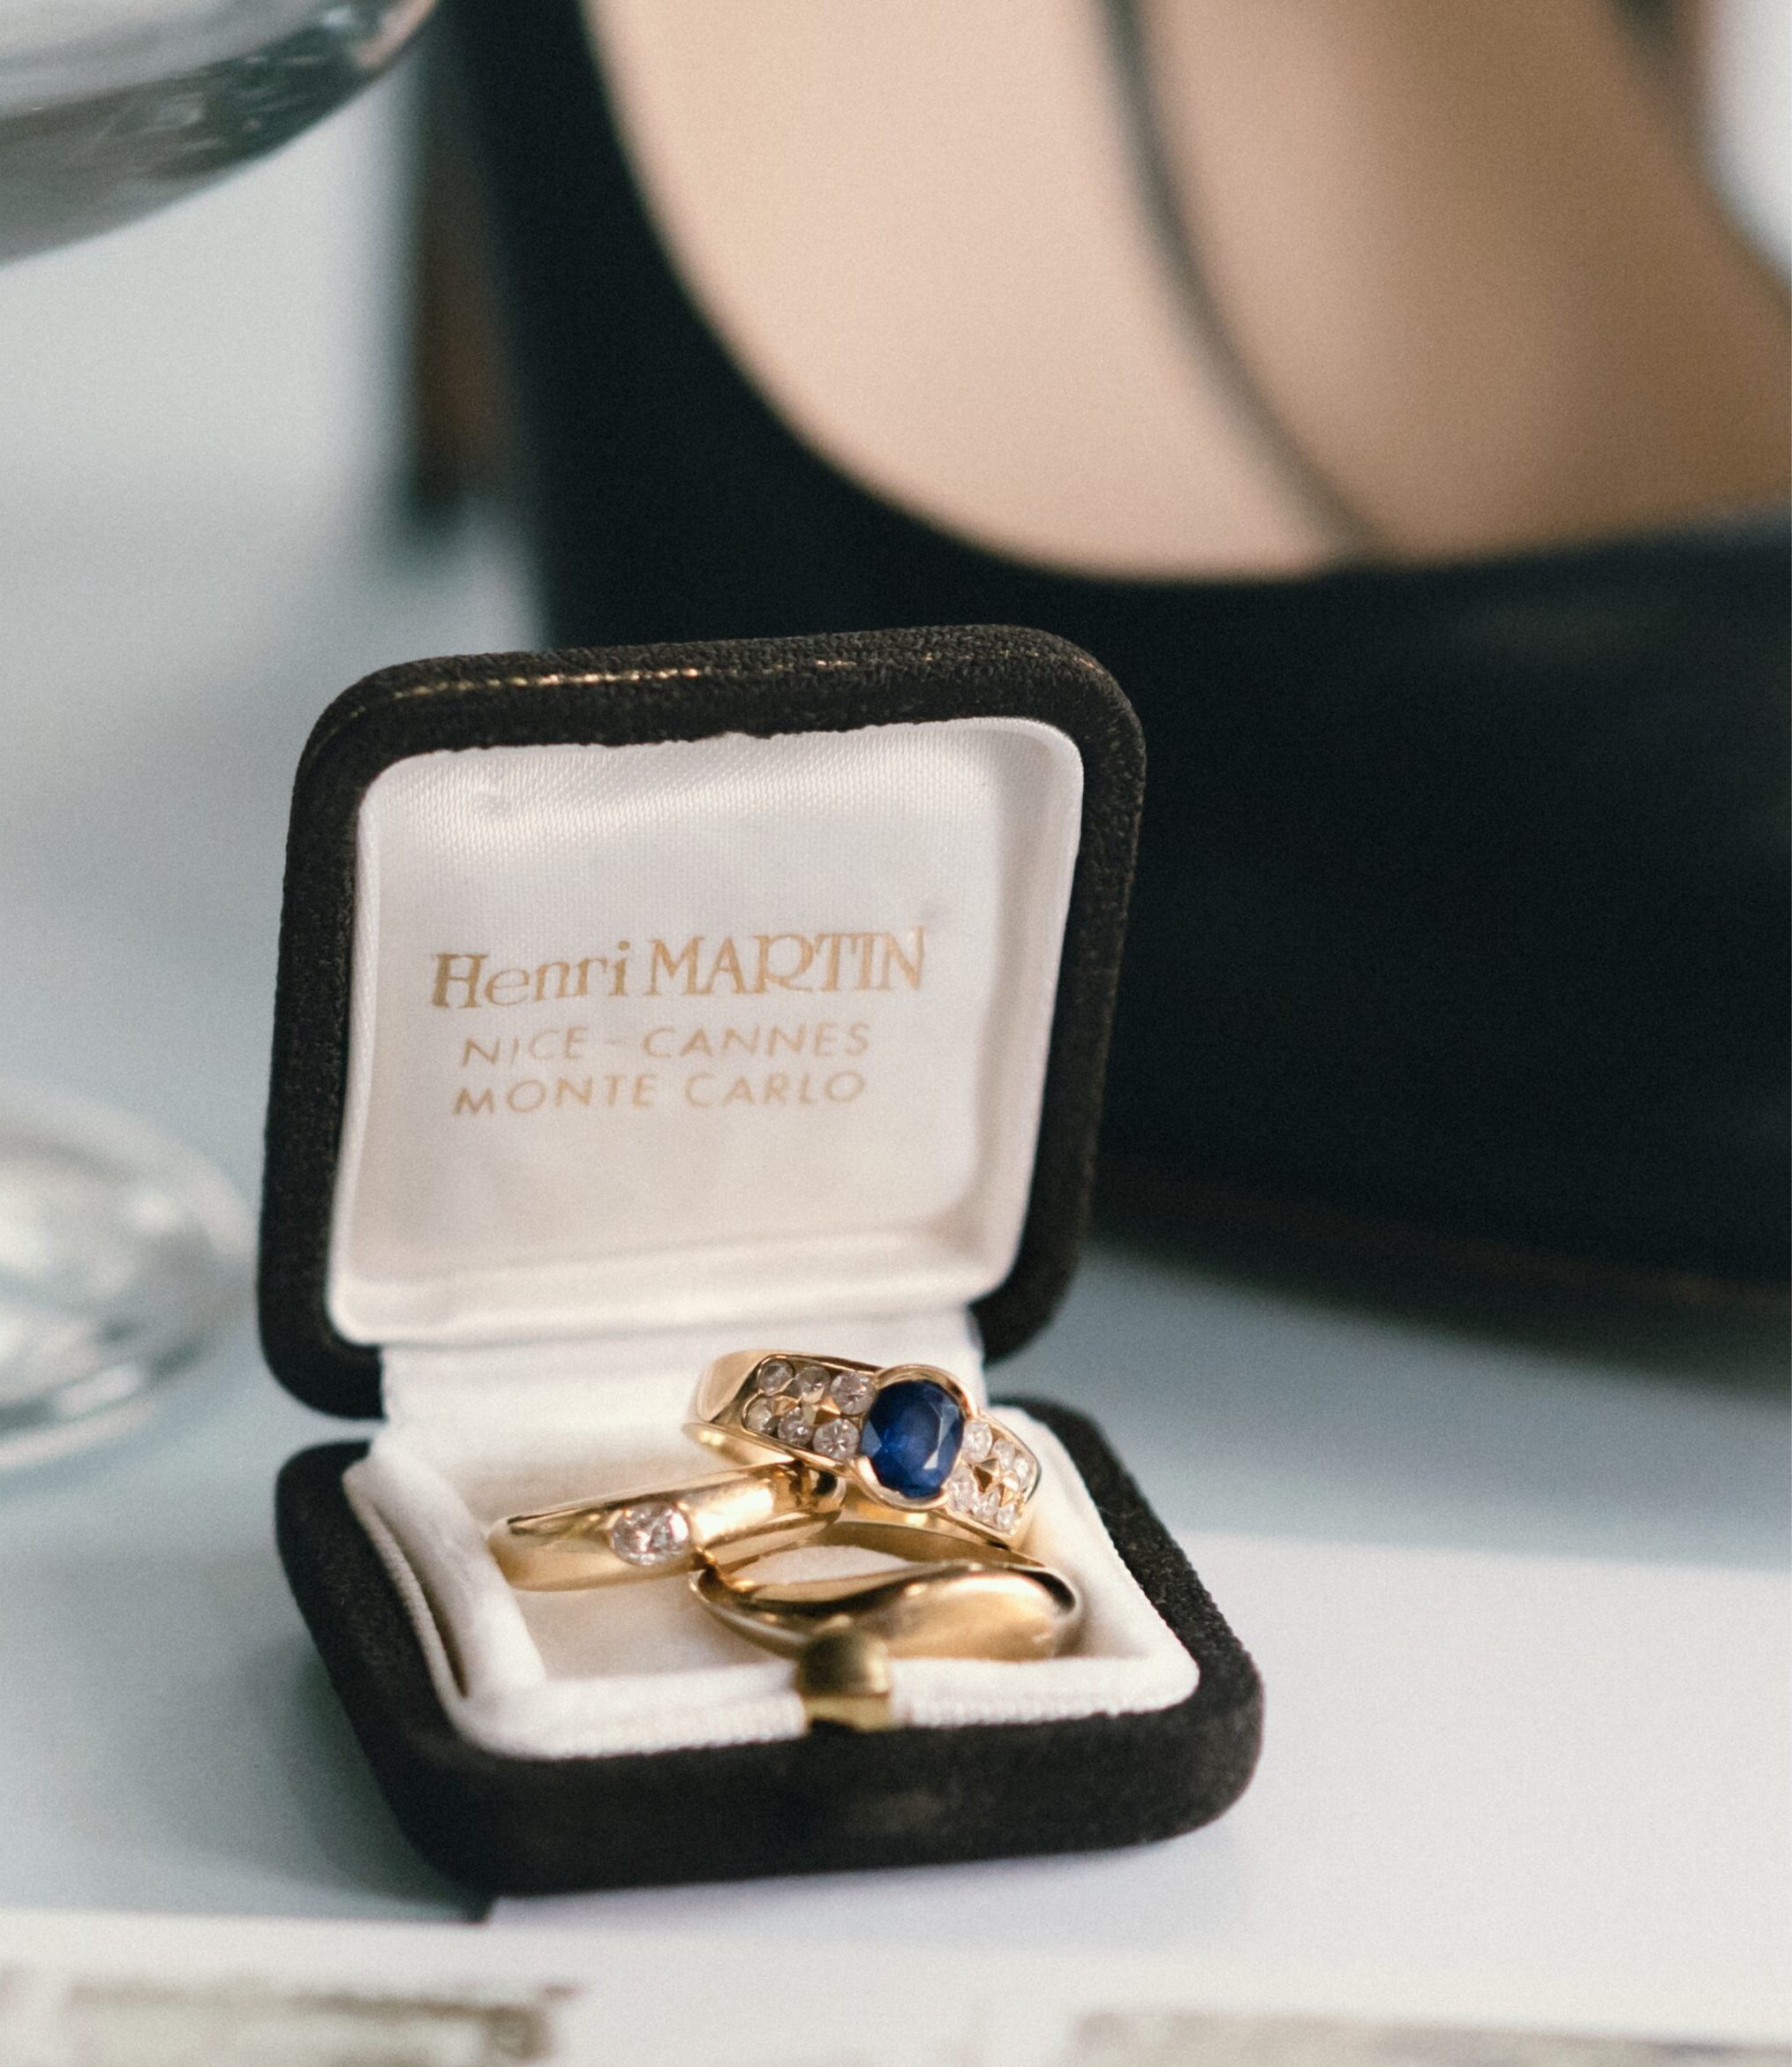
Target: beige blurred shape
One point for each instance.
(1459, 282)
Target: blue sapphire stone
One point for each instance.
(911, 1437)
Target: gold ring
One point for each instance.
(987, 1602)
(843, 1631)
(647, 1535)
(910, 1442)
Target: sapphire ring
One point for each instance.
(909, 1442)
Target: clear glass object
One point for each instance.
(111, 108)
(121, 1255)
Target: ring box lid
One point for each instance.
(513, 1103)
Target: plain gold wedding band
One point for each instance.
(945, 1601)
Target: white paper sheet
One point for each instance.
(121, 1991)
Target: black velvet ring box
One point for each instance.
(638, 1005)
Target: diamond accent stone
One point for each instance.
(978, 1437)
(757, 1415)
(650, 1532)
(961, 1493)
(852, 1391)
(1005, 1452)
(1006, 1516)
(837, 1439)
(772, 1375)
(985, 1509)
(796, 1427)
(811, 1382)
(1023, 1470)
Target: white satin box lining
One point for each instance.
(649, 1036)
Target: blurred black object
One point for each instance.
(1463, 903)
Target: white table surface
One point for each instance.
(1496, 1788)
(167, 1739)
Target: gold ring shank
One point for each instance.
(723, 1379)
(985, 1604)
(649, 1534)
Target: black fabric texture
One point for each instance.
(622, 698)
(1461, 900)
(829, 1801)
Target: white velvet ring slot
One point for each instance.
(641, 1668)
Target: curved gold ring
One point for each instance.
(912, 1445)
(988, 1603)
(648, 1534)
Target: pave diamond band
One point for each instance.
(908, 1441)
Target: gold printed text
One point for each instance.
(748, 966)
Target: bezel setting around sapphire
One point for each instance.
(912, 1436)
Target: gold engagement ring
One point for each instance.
(910, 1443)
(813, 1439)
